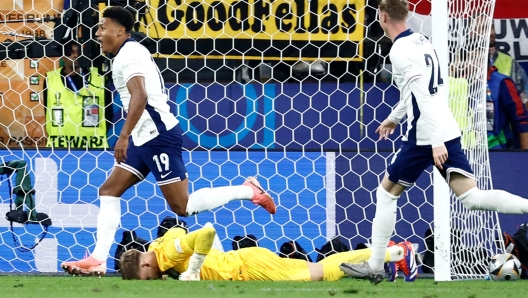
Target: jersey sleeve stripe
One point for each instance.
(413, 78)
(135, 74)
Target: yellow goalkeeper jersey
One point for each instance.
(173, 251)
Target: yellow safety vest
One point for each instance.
(503, 63)
(76, 120)
(458, 103)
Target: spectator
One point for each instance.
(459, 104)
(75, 99)
(507, 118)
(508, 66)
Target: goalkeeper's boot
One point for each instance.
(363, 271)
(188, 276)
(408, 264)
(85, 267)
(391, 268)
(260, 197)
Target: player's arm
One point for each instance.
(397, 114)
(400, 110)
(201, 242)
(515, 110)
(427, 104)
(388, 126)
(138, 102)
(135, 82)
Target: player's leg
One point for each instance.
(177, 195)
(108, 221)
(406, 166)
(201, 242)
(459, 175)
(122, 177)
(404, 170)
(205, 199)
(493, 200)
(331, 264)
(263, 265)
(210, 198)
(165, 161)
(392, 254)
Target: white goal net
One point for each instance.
(479, 231)
(290, 91)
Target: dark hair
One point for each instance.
(120, 15)
(69, 46)
(396, 9)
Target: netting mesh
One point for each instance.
(476, 232)
(297, 108)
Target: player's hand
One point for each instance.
(440, 156)
(386, 128)
(120, 149)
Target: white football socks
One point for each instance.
(209, 198)
(494, 200)
(382, 226)
(107, 222)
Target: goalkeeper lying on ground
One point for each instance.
(193, 255)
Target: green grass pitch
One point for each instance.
(78, 287)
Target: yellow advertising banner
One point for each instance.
(283, 29)
(22, 113)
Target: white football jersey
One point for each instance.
(429, 119)
(132, 60)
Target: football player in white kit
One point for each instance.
(432, 138)
(150, 142)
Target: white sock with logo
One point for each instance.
(107, 223)
(383, 225)
(209, 198)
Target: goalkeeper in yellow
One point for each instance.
(193, 256)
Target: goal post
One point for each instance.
(462, 49)
(442, 222)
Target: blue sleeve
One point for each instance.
(512, 105)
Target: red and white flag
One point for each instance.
(510, 19)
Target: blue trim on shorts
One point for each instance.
(411, 161)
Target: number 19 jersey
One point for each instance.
(132, 60)
(429, 119)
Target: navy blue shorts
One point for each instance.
(162, 156)
(410, 161)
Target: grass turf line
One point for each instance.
(79, 287)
